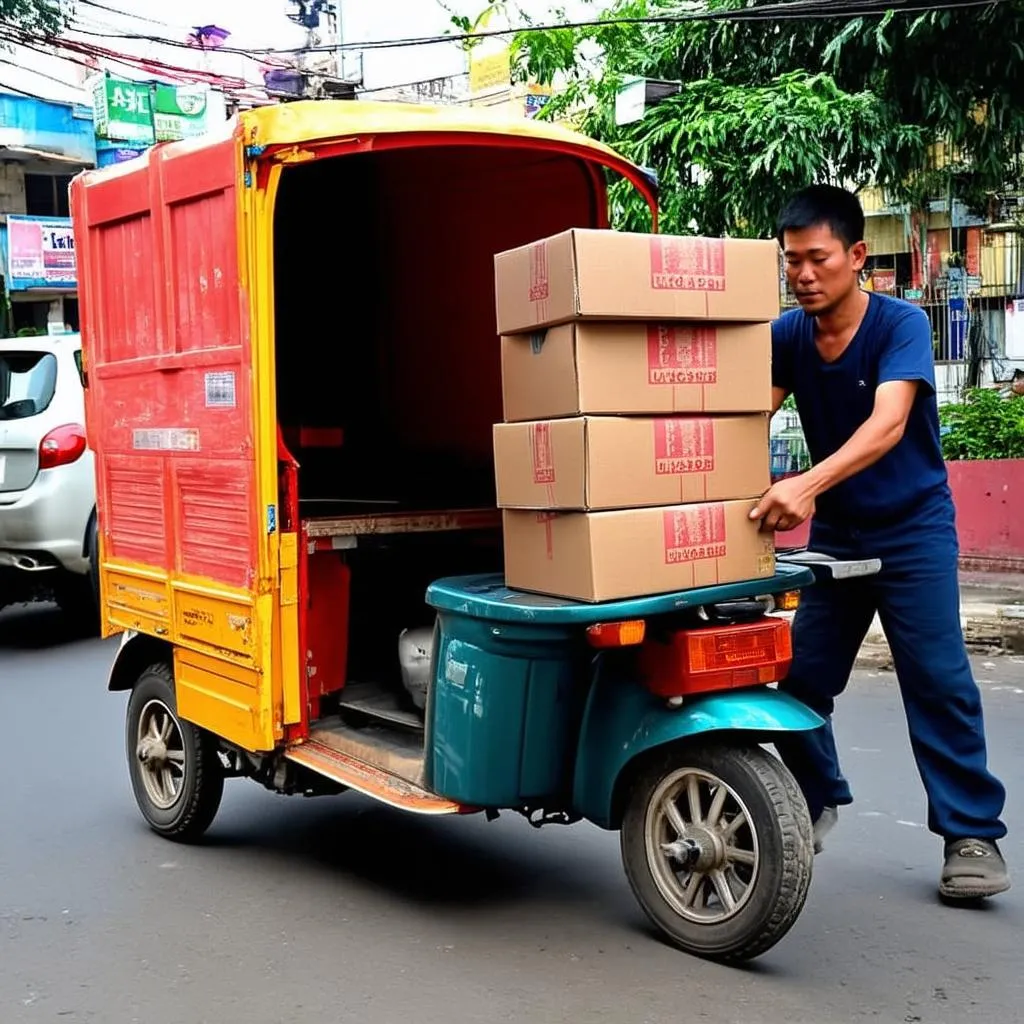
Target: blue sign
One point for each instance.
(108, 154)
(957, 328)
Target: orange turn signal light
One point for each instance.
(787, 602)
(617, 634)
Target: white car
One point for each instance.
(47, 483)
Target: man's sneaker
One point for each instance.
(825, 823)
(974, 869)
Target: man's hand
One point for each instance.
(785, 505)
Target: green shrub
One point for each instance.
(984, 426)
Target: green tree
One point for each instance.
(767, 106)
(42, 16)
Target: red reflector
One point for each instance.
(61, 446)
(719, 658)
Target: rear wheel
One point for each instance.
(176, 775)
(717, 846)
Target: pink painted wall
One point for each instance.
(989, 497)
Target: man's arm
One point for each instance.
(779, 395)
(787, 504)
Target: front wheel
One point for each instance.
(718, 848)
(176, 775)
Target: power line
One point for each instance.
(45, 44)
(788, 10)
(22, 92)
(148, 66)
(127, 14)
(40, 74)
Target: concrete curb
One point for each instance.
(988, 629)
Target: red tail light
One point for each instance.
(719, 658)
(62, 446)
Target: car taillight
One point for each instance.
(62, 446)
(718, 658)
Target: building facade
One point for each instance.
(43, 145)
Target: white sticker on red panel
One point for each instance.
(220, 390)
(168, 439)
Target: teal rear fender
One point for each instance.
(623, 720)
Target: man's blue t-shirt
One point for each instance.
(894, 342)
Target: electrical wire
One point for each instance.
(40, 74)
(127, 14)
(152, 66)
(788, 10)
(23, 92)
(149, 65)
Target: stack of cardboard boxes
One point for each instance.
(637, 387)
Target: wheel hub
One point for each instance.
(699, 848)
(160, 750)
(153, 753)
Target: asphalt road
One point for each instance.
(338, 910)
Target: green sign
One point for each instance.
(180, 111)
(122, 111)
(142, 113)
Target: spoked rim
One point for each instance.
(160, 753)
(701, 846)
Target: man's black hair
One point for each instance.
(824, 204)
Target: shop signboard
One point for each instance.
(142, 113)
(40, 254)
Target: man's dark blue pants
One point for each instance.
(917, 598)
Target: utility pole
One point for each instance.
(322, 67)
(348, 71)
(339, 33)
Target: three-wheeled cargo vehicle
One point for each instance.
(292, 375)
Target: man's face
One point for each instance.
(820, 269)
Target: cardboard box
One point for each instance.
(610, 462)
(611, 275)
(605, 556)
(637, 368)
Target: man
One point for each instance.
(860, 367)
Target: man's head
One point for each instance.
(821, 231)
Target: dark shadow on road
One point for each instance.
(34, 627)
(430, 861)
(446, 866)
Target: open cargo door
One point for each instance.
(170, 417)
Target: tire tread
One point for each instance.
(208, 787)
(790, 810)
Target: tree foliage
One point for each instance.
(39, 16)
(767, 106)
